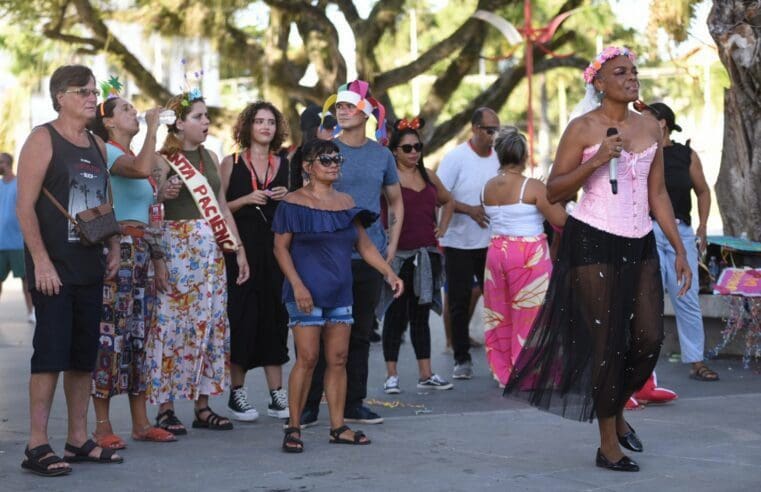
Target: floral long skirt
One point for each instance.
(188, 347)
(515, 282)
(128, 306)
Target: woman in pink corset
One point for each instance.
(518, 261)
(598, 337)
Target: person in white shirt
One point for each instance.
(464, 171)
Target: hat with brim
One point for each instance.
(662, 112)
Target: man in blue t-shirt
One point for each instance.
(11, 242)
(369, 170)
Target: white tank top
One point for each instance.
(517, 219)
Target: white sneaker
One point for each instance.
(278, 405)
(239, 406)
(391, 386)
(434, 382)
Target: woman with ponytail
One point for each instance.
(128, 299)
(188, 350)
(417, 258)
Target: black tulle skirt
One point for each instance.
(598, 335)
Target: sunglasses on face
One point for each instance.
(329, 160)
(83, 92)
(407, 148)
(490, 130)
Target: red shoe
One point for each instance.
(633, 404)
(651, 393)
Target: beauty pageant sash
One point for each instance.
(206, 202)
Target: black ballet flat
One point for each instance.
(625, 464)
(630, 440)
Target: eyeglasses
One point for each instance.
(407, 148)
(83, 92)
(329, 160)
(491, 130)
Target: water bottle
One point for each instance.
(713, 269)
(166, 117)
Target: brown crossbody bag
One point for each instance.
(94, 225)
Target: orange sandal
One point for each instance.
(154, 434)
(110, 441)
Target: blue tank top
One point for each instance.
(321, 250)
(132, 196)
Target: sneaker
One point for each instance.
(278, 406)
(362, 415)
(463, 370)
(434, 382)
(391, 386)
(309, 417)
(239, 406)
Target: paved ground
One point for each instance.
(466, 439)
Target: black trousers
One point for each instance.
(461, 266)
(366, 289)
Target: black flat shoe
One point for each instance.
(625, 464)
(630, 440)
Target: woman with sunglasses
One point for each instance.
(316, 229)
(518, 261)
(129, 299)
(256, 180)
(417, 258)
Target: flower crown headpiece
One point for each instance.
(109, 89)
(356, 93)
(191, 93)
(608, 53)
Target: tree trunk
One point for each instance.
(734, 26)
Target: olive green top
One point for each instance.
(183, 207)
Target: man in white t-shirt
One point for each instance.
(464, 171)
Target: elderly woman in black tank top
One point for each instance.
(255, 179)
(417, 255)
(188, 347)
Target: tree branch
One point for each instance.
(495, 96)
(350, 12)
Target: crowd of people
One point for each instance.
(217, 260)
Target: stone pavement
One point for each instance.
(466, 439)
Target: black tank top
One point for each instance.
(676, 168)
(77, 178)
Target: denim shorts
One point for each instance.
(319, 316)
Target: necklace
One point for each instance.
(505, 173)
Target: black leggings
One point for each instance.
(406, 309)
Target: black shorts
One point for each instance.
(68, 326)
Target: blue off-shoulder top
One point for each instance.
(321, 249)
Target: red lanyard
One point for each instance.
(152, 181)
(271, 163)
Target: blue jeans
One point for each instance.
(689, 319)
(319, 316)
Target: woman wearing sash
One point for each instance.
(128, 300)
(597, 337)
(256, 180)
(188, 347)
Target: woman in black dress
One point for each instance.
(256, 179)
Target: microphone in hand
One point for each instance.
(613, 167)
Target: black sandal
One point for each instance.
(35, 462)
(335, 437)
(289, 439)
(212, 421)
(82, 454)
(704, 373)
(167, 419)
